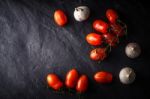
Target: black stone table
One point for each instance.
(32, 45)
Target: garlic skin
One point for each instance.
(133, 50)
(81, 13)
(127, 75)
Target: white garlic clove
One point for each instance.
(133, 50)
(81, 13)
(127, 75)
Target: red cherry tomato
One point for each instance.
(54, 82)
(112, 15)
(82, 84)
(98, 54)
(94, 39)
(71, 78)
(100, 26)
(60, 18)
(117, 30)
(111, 39)
(103, 77)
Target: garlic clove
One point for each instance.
(81, 13)
(133, 50)
(127, 75)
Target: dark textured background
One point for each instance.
(32, 45)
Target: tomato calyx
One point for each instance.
(124, 26)
(119, 28)
(111, 39)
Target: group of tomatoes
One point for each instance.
(74, 80)
(109, 34)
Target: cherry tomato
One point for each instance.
(98, 54)
(103, 77)
(112, 15)
(71, 78)
(60, 18)
(111, 39)
(94, 39)
(117, 30)
(100, 26)
(54, 82)
(82, 84)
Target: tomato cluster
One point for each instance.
(73, 80)
(108, 36)
(108, 33)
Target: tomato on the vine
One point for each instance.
(112, 15)
(118, 30)
(111, 39)
(98, 54)
(60, 18)
(100, 26)
(103, 77)
(71, 78)
(82, 84)
(54, 81)
(94, 39)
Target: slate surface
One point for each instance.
(32, 45)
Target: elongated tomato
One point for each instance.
(71, 78)
(98, 54)
(103, 77)
(100, 26)
(54, 82)
(94, 39)
(111, 15)
(60, 18)
(82, 84)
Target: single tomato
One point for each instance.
(94, 39)
(103, 77)
(98, 54)
(71, 78)
(60, 18)
(112, 15)
(54, 82)
(111, 39)
(82, 84)
(118, 30)
(100, 26)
